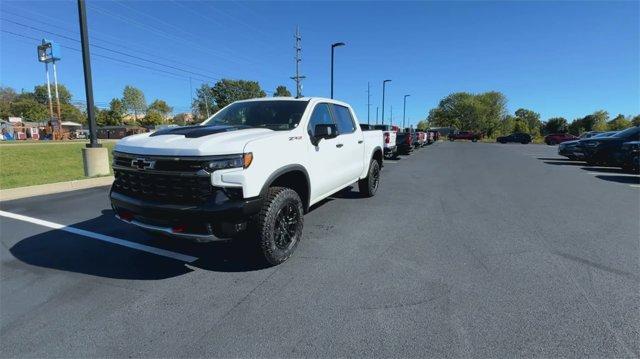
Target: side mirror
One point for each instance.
(324, 131)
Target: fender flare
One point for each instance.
(284, 170)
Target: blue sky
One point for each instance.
(557, 58)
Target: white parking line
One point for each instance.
(101, 237)
(613, 173)
(390, 161)
(635, 185)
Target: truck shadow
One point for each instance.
(65, 251)
(620, 179)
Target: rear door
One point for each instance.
(349, 163)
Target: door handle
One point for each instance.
(359, 142)
(339, 145)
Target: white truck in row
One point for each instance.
(256, 164)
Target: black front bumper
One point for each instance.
(217, 209)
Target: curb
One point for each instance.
(51, 188)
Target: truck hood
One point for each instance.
(192, 141)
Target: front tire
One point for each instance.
(369, 185)
(279, 224)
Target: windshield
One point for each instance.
(605, 134)
(628, 132)
(278, 115)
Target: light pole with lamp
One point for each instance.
(333, 46)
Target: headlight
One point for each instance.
(235, 161)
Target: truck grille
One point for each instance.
(167, 188)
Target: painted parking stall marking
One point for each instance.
(101, 237)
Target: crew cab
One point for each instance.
(389, 136)
(420, 139)
(257, 164)
(464, 135)
(404, 140)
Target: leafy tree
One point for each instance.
(181, 119)
(204, 102)
(108, 118)
(532, 120)
(30, 109)
(7, 96)
(117, 106)
(71, 113)
(161, 107)
(152, 118)
(636, 121)
(556, 125)
(226, 91)
(596, 121)
(467, 111)
(41, 95)
(618, 123)
(282, 91)
(520, 126)
(422, 125)
(133, 101)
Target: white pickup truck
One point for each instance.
(389, 135)
(256, 164)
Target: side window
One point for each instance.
(321, 116)
(344, 121)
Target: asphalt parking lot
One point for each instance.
(467, 250)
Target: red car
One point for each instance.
(465, 135)
(556, 138)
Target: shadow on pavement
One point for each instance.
(620, 179)
(556, 159)
(75, 253)
(564, 163)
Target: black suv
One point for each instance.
(523, 138)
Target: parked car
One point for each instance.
(608, 150)
(557, 138)
(389, 138)
(404, 141)
(517, 137)
(571, 149)
(631, 156)
(261, 161)
(465, 135)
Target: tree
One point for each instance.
(133, 101)
(422, 125)
(596, 121)
(117, 106)
(41, 95)
(7, 96)
(29, 109)
(467, 111)
(282, 91)
(226, 91)
(556, 125)
(71, 113)
(181, 119)
(152, 118)
(204, 102)
(161, 107)
(108, 118)
(636, 121)
(618, 123)
(532, 120)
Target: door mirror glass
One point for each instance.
(324, 131)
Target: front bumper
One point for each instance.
(217, 218)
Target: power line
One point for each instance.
(108, 49)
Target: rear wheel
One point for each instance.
(369, 185)
(279, 224)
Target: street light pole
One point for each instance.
(384, 83)
(88, 83)
(333, 46)
(404, 110)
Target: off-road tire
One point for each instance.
(368, 186)
(277, 200)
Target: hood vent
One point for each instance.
(197, 131)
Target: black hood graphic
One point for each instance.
(197, 131)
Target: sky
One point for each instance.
(564, 59)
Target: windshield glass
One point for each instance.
(628, 132)
(605, 134)
(280, 115)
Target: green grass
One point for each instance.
(28, 164)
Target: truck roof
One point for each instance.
(313, 98)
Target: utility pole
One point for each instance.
(94, 157)
(391, 120)
(368, 103)
(333, 46)
(297, 78)
(404, 110)
(384, 83)
(377, 108)
(55, 83)
(206, 99)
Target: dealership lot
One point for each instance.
(468, 249)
